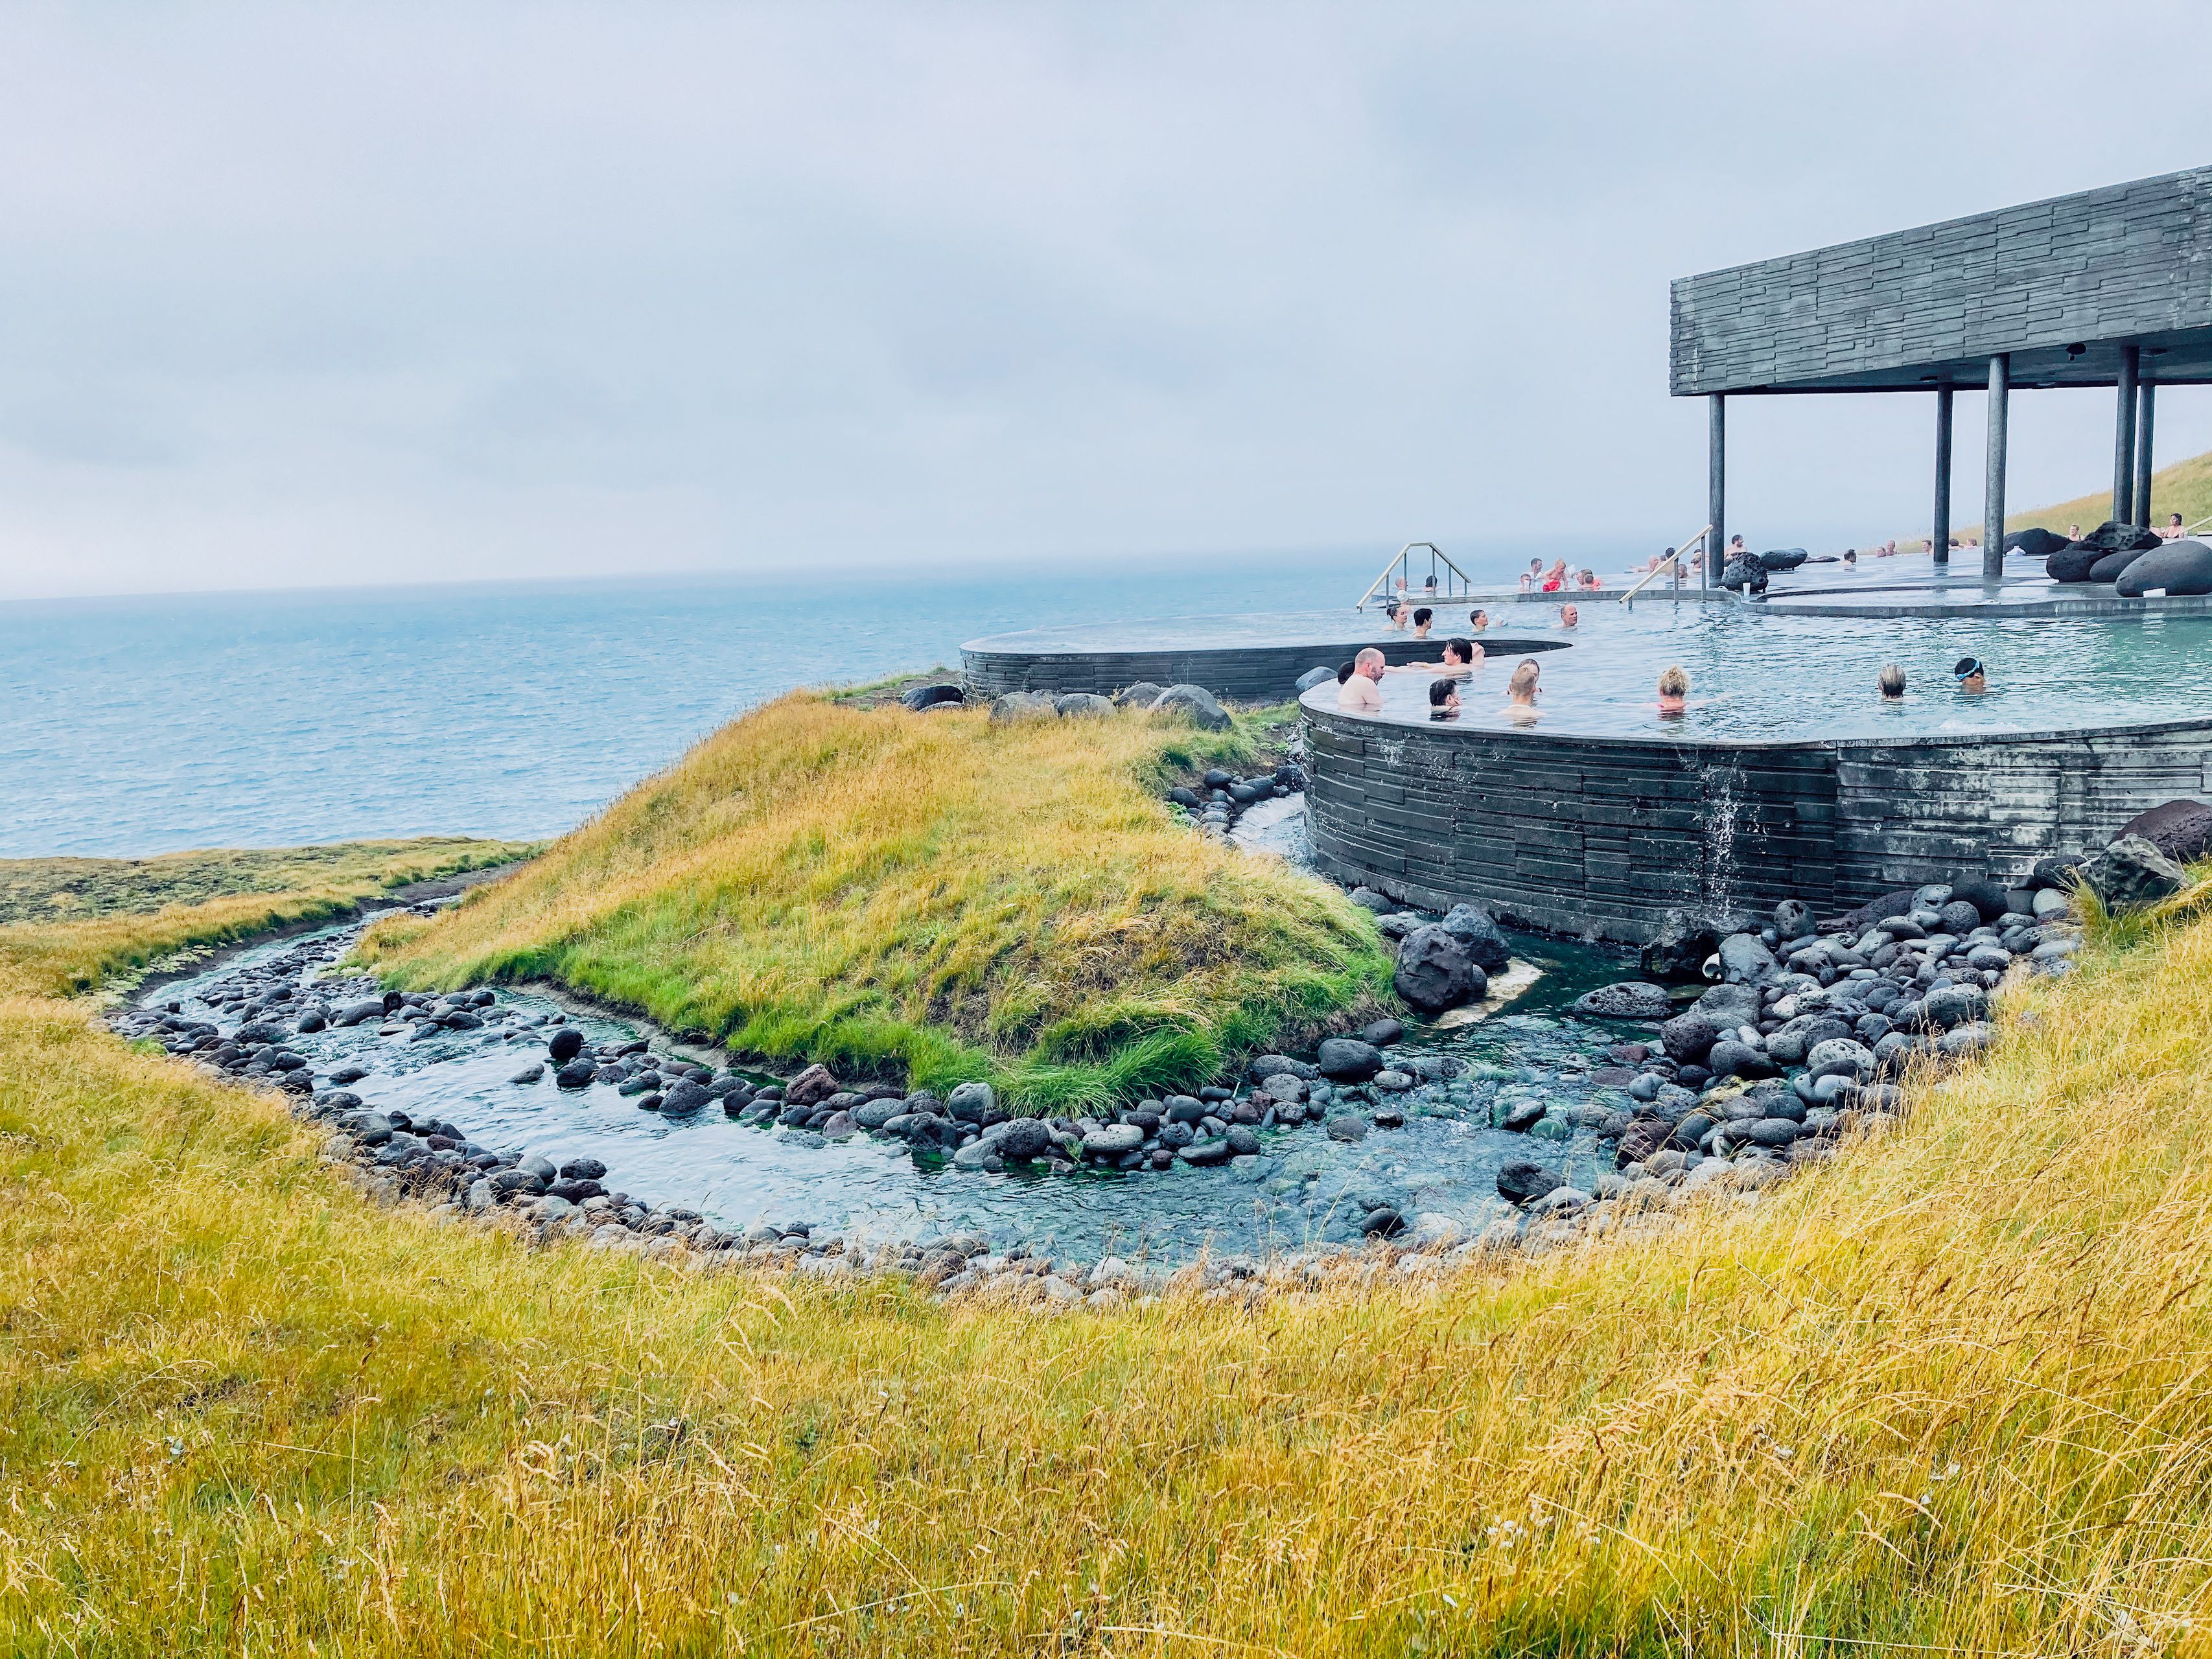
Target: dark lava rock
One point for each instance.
(1204, 1154)
(1729, 1058)
(1385, 1223)
(346, 1074)
(1874, 910)
(1793, 918)
(2059, 872)
(683, 1099)
(1434, 973)
(1182, 795)
(1745, 959)
(576, 1191)
(2132, 870)
(923, 697)
(1680, 951)
(874, 1114)
(2113, 537)
(1642, 1137)
(1368, 899)
(1241, 1141)
(1183, 1109)
(1196, 704)
(1024, 1140)
(1630, 998)
(1688, 1037)
(359, 1013)
(313, 1021)
(2182, 829)
(2072, 562)
(529, 1073)
(1743, 574)
(1139, 696)
(2111, 566)
(1523, 1182)
(1350, 1127)
(2177, 569)
(577, 1074)
(1316, 675)
(582, 1169)
(1782, 558)
(2035, 544)
(1954, 1005)
(1523, 1116)
(1348, 1060)
(262, 1031)
(1986, 896)
(565, 1044)
(1959, 918)
(1479, 936)
(1382, 1033)
(811, 1087)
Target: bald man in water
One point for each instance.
(1363, 694)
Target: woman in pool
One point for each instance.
(1521, 692)
(1443, 700)
(1461, 658)
(1673, 691)
(1399, 614)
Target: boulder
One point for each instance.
(2132, 870)
(923, 696)
(2072, 562)
(684, 1098)
(1782, 558)
(1076, 704)
(582, 1169)
(1139, 696)
(1793, 918)
(811, 1087)
(1347, 1060)
(1745, 575)
(1382, 1033)
(2060, 872)
(1112, 1140)
(1024, 1140)
(2035, 544)
(2176, 568)
(2113, 537)
(1687, 1038)
(1479, 935)
(1434, 973)
(1284, 1090)
(1986, 896)
(1630, 998)
(1745, 960)
(2182, 829)
(1314, 676)
(1023, 706)
(1523, 1182)
(1194, 703)
(971, 1102)
(565, 1044)
(1680, 949)
(577, 1074)
(1954, 1005)
(1959, 918)
(2112, 566)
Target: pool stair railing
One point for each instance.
(1401, 565)
(1695, 545)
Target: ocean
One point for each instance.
(130, 726)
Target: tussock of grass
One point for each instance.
(83, 920)
(1949, 1395)
(934, 896)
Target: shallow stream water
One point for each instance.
(1304, 1188)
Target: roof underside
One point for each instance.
(2062, 285)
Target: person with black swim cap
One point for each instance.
(1971, 676)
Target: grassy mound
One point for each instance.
(1947, 1396)
(934, 895)
(71, 923)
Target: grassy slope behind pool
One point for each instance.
(938, 894)
(1948, 1396)
(72, 922)
(2185, 488)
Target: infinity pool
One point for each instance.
(1763, 677)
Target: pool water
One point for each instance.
(1306, 1189)
(1763, 676)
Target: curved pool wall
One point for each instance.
(1255, 658)
(1607, 836)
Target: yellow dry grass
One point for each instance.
(936, 896)
(1948, 1396)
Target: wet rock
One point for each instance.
(1382, 1033)
(1523, 1115)
(811, 1087)
(2112, 566)
(1024, 1140)
(1285, 1089)
(1523, 1182)
(533, 1072)
(1348, 1060)
(2035, 543)
(565, 1044)
(577, 1074)
(360, 1013)
(1745, 575)
(1434, 972)
(1183, 1109)
(971, 1103)
(1688, 1037)
(1628, 999)
(2132, 872)
(1382, 1223)
(682, 1099)
(1745, 960)
(1194, 703)
(2177, 569)
(1348, 1127)
(582, 1169)
(874, 1114)
(1679, 950)
(1479, 936)
(1205, 1153)
(1112, 1140)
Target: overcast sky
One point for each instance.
(305, 295)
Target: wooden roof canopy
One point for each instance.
(2062, 285)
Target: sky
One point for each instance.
(333, 295)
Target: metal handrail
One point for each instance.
(1676, 557)
(1398, 561)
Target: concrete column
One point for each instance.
(1993, 491)
(2123, 439)
(2149, 389)
(1939, 540)
(1717, 488)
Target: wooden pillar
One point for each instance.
(1993, 492)
(2150, 388)
(1939, 540)
(1717, 488)
(2123, 439)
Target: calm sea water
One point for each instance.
(139, 725)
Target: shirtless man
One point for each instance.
(1570, 616)
(1363, 693)
(1424, 619)
(1521, 692)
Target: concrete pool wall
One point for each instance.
(1608, 836)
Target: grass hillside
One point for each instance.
(934, 895)
(76, 920)
(2185, 488)
(1948, 1395)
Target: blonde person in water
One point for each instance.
(1521, 692)
(1673, 691)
